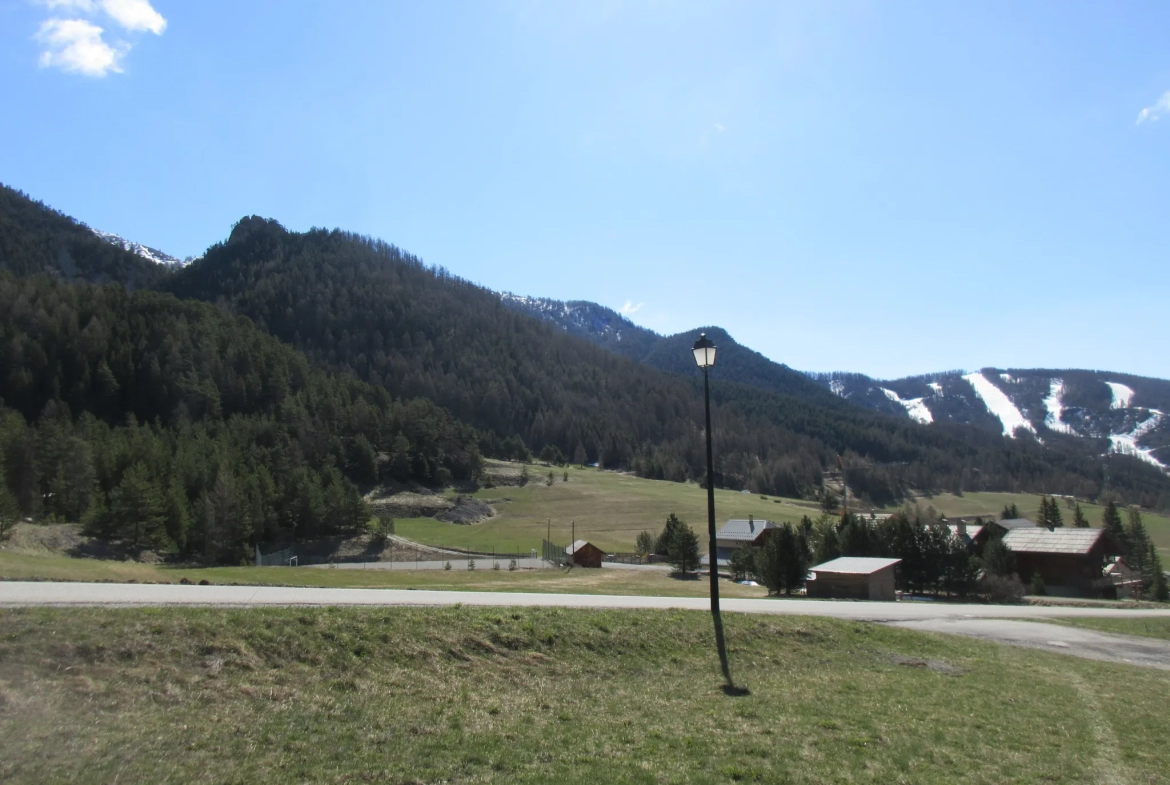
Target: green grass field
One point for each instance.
(543, 696)
(610, 509)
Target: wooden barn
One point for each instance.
(1071, 561)
(853, 578)
(584, 554)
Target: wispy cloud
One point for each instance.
(629, 308)
(78, 45)
(1154, 112)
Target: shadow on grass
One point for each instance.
(735, 691)
(685, 576)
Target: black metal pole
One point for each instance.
(712, 554)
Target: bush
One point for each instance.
(513, 566)
(471, 564)
(495, 565)
(447, 566)
(1001, 588)
(381, 528)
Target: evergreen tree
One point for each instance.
(1158, 586)
(1137, 542)
(1010, 512)
(1079, 519)
(782, 563)
(998, 558)
(683, 550)
(670, 533)
(136, 510)
(1111, 523)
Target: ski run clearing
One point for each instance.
(999, 404)
(1127, 443)
(1055, 408)
(1122, 395)
(914, 407)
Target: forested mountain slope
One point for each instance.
(35, 238)
(173, 424)
(1128, 413)
(364, 307)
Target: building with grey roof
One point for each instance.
(1069, 560)
(736, 534)
(854, 577)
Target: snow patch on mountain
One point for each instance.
(146, 252)
(1127, 443)
(1055, 407)
(837, 387)
(999, 404)
(937, 388)
(914, 407)
(1122, 395)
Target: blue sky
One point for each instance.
(890, 188)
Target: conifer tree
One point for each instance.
(1137, 541)
(1079, 519)
(1111, 523)
(136, 509)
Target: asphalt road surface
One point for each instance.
(47, 593)
(1090, 644)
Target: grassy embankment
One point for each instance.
(482, 695)
(610, 509)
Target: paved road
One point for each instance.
(1092, 645)
(46, 593)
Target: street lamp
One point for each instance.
(705, 358)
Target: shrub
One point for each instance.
(513, 566)
(471, 564)
(447, 566)
(1001, 588)
(495, 565)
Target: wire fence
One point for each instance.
(554, 554)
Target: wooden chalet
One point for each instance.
(1071, 561)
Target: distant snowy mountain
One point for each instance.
(1127, 413)
(1113, 412)
(146, 252)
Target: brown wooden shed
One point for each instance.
(854, 578)
(584, 554)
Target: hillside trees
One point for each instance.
(171, 424)
(783, 561)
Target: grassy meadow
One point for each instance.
(1157, 627)
(611, 508)
(546, 695)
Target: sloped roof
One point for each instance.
(743, 530)
(855, 565)
(1062, 540)
(972, 531)
(1017, 523)
(578, 545)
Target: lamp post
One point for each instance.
(705, 358)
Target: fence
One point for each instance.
(554, 553)
(287, 557)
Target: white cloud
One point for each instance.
(135, 15)
(629, 308)
(1160, 107)
(76, 45)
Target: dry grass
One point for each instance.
(518, 696)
